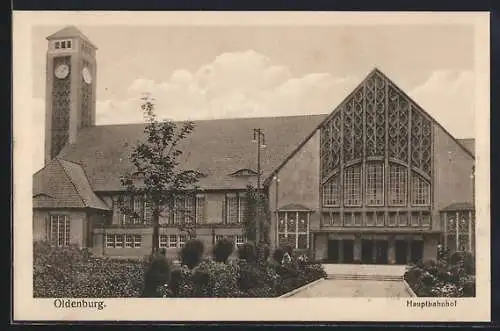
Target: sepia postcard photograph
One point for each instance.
(251, 166)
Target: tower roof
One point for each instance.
(70, 32)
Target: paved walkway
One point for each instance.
(355, 280)
(332, 288)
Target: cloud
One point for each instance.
(248, 84)
(240, 84)
(448, 95)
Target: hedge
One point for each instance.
(74, 272)
(447, 277)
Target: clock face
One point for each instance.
(87, 76)
(61, 71)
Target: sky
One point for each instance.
(200, 72)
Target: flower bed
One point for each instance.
(448, 277)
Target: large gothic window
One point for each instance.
(331, 192)
(375, 184)
(420, 191)
(352, 186)
(397, 185)
(376, 151)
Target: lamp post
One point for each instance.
(259, 138)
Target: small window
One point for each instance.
(68, 44)
(240, 240)
(163, 241)
(172, 241)
(182, 240)
(57, 45)
(137, 241)
(63, 44)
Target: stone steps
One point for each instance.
(365, 277)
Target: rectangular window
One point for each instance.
(403, 219)
(380, 219)
(121, 241)
(232, 209)
(348, 219)
(393, 219)
(172, 241)
(200, 209)
(218, 238)
(420, 191)
(68, 43)
(189, 202)
(57, 45)
(292, 228)
(60, 230)
(148, 212)
(178, 209)
(110, 241)
(397, 185)
(352, 186)
(137, 208)
(63, 44)
(182, 240)
(137, 241)
(426, 219)
(415, 219)
(240, 240)
(129, 241)
(163, 241)
(375, 184)
(242, 199)
(331, 192)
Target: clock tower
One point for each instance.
(70, 97)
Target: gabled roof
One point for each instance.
(63, 184)
(216, 148)
(70, 32)
(376, 71)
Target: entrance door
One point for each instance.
(417, 250)
(381, 250)
(366, 251)
(401, 247)
(333, 251)
(348, 251)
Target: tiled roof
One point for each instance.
(217, 148)
(70, 32)
(458, 206)
(469, 143)
(63, 184)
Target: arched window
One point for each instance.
(331, 192)
(375, 184)
(420, 191)
(397, 185)
(352, 186)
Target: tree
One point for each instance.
(257, 211)
(157, 177)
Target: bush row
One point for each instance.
(73, 272)
(452, 276)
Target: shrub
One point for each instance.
(278, 255)
(247, 252)
(191, 253)
(223, 249)
(73, 272)
(453, 277)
